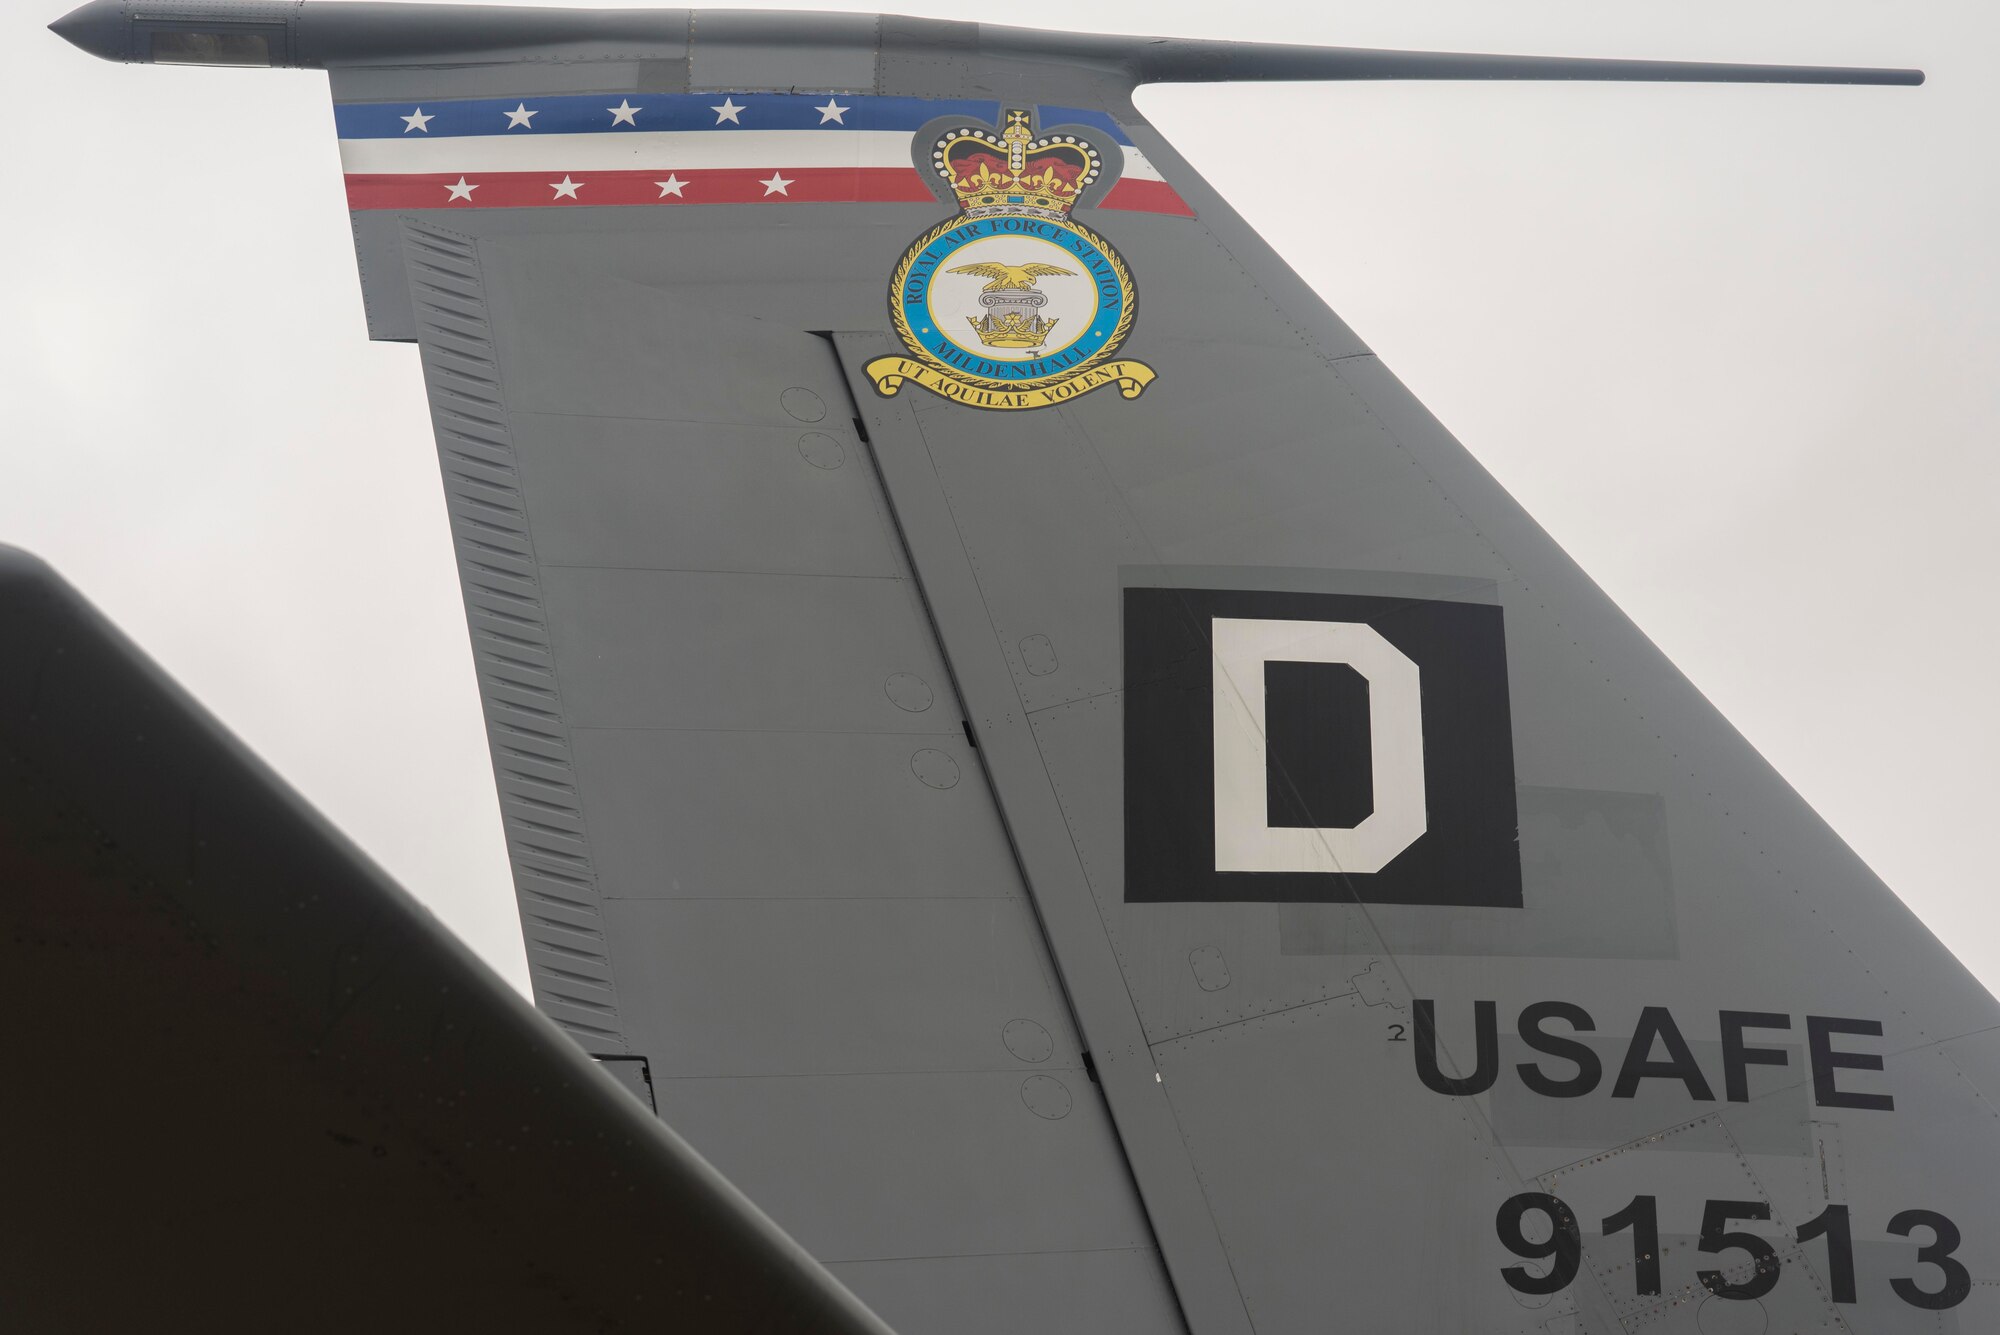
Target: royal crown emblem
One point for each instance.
(967, 299)
(1014, 172)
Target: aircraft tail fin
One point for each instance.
(1097, 810)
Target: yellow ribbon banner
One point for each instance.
(889, 374)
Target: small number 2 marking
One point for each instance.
(1396, 1037)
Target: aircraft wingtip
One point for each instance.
(26, 581)
(19, 560)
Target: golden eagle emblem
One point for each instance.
(1006, 276)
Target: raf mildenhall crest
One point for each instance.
(1013, 303)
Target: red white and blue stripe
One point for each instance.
(682, 148)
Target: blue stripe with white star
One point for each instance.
(586, 114)
(651, 111)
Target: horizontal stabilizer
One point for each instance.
(1229, 62)
(318, 34)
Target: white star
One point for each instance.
(565, 188)
(417, 121)
(623, 113)
(520, 116)
(463, 190)
(776, 186)
(673, 185)
(832, 111)
(728, 111)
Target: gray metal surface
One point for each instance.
(848, 688)
(1035, 817)
(810, 906)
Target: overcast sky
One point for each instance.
(1735, 348)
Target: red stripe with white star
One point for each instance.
(714, 185)
(721, 185)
